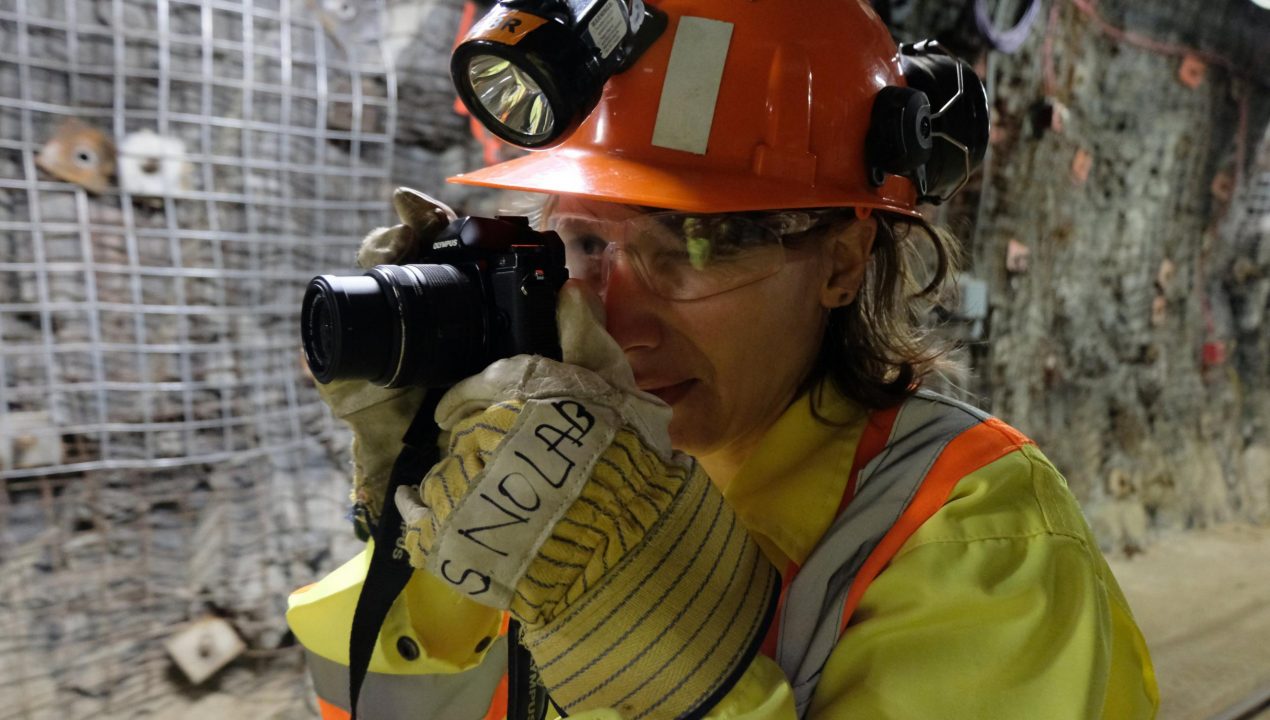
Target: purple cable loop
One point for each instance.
(1006, 41)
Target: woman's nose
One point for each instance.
(629, 306)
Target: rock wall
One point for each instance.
(1120, 227)
(164, 458)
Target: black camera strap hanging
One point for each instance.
(390, 570)
(526, 695)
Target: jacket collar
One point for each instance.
(787, 492)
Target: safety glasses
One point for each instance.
(683, 256)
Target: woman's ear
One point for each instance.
(848, 251)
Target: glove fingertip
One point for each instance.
(424, 213)
(385, 246)
(583, 339)
(577, 297)
(411, 506)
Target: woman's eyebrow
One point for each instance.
(576, 223)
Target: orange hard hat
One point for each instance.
(739, 105)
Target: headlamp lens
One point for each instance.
(531, 71)
(511, 96)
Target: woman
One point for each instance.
(844, 544)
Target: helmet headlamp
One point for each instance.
(532, 70)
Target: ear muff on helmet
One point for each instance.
(935, 131)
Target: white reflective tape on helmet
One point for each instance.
(691, 88)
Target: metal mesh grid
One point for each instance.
(161, 450)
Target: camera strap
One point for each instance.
(390, 570)
(526, 695)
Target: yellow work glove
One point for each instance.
(561, 500)
(379, 416)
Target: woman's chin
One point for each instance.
(690, 431)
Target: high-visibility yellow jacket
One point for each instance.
(999, 605)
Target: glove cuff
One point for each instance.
(673, 626)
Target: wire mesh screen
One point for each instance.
(172, 172)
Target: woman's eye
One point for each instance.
(589, 244)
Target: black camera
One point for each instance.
(484, 290)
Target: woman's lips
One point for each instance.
(671, 394)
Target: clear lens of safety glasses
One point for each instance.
(511, 95)
(679, 256)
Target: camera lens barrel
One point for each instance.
(443, 337)
(341, 318)
(395, 325)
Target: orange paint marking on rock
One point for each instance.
(1082, 163)
(1191, 72)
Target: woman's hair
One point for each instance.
(878, 349)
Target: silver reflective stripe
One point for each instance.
(458, 696)
(911, 421)
(810, 621)
(953, 403)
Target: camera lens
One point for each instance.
(346, 326)
(443, 334)
(324, 326)
(396, 325)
